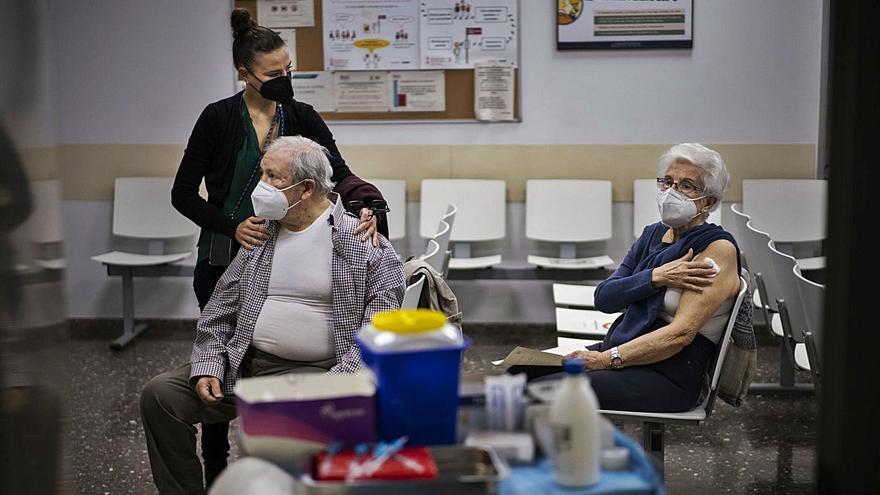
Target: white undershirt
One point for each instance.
(295, 322)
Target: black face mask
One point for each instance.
(277, 89)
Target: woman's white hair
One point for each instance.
(716, 178)
(308, 160)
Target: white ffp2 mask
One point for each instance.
(676, 209)
(270, 202)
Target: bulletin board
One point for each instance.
(459, 82)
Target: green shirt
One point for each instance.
(246, 161)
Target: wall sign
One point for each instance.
(621, 24)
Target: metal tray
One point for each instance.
(461, 470)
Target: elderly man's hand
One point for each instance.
(208, 389)
(252, 233)
(593, 360)
(684, 274)
(368, 225)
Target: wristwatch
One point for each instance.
(616, 360)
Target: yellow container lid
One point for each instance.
(409, 321)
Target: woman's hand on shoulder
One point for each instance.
(368, 226)
(684, 273)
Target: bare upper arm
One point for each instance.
(695, 308)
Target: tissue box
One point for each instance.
(288, 418)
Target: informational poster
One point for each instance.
(286, 13)
(361, 91)
(316, 89)
(460, 34)
(417, 91)
(288, 35)
(371, 34)
(493, 92)
(624, 24)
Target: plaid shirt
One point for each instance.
(366, 280)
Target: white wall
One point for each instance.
(26, 87)
(139, 72)
(135, 72)
(752, 77)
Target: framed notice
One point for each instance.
(621, 24)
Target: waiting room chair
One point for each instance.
(441, 239)
(812, 302)
(449, 218)
(654, 423)
(645, 211)
(43, 229)
(567, 212)
(739, 232)
(584, 323)
(480, 216)
(394, 192)
(432, 253)
(789, 303)
(413, 293)
(791, 211)
(769, 279)
(142, 211)
(574, 295)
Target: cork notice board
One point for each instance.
(459, 82)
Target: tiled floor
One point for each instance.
(764, 446)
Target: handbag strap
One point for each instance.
(278, 118)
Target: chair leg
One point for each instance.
(652, 441)
(786, 385)
(130, 329)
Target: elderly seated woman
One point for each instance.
(676, 286)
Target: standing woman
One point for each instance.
(225, 149)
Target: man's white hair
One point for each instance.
(307, 160)
(716, 178)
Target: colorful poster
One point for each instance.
(286, 13)
(316, 89)
(417, 91)
(459, 34)
(624, 24)
(371, 34)
(361, 91)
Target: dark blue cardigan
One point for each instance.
(629, 288)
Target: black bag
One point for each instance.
(220, 253)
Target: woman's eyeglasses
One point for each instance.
(685, 187)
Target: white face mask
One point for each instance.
(270, 202)
(676, 209)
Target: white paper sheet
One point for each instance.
(459, 34)
(316, 89)
(493, 92)
(286, 13)
(361, 91)
(288, 35)
(417, 91)
(371, 34)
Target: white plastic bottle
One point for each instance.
(577, 431)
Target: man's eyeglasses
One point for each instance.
(376, 206)
(685, 187)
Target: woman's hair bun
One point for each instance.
(241, 21)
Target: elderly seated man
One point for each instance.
(291, 305)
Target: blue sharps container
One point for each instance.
(416, 357)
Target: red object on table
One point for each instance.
(409, 463)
